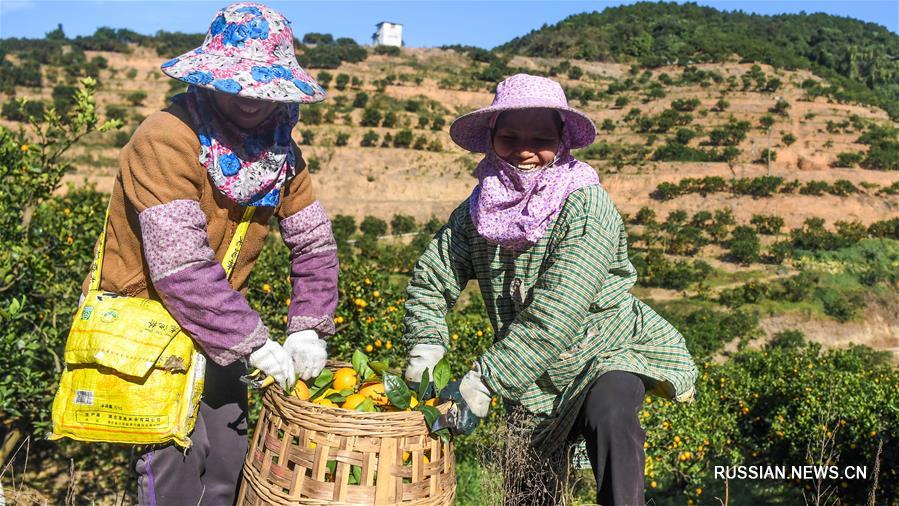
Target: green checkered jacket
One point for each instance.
(561, 310)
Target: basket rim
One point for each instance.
(278, 395)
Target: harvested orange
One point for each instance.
(406, 456)
(345, 378)
(321, 401)
(431, 402)
(413, 402)
(375, 392)
(353, 401)
(301, 391)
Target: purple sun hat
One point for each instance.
(522, 91)
(248, 52)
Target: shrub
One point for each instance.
(685, 104)
(423, 121)
(840, 306)
(313, 164)
(744, 245)
(389, 119)
(370, 139)
(621, 101)
(136, 98)
(360, 100)
(729, 135)
(848, 159)
(373, 227)
(843, 187)
(402, 224)
(387, 50)
(120, 139)
(343, 227)
(815, 188)
(403, 139)
(420, 143)
(324, 78)
(13, 112)
(721, 105)
(342, 138)
(767, 224)
(371, 117)
(438, 123)
(788, 139)
(575, 72)
(341, 81)
(766, 156)
(780, 107)
(307, 136)
(117, 112)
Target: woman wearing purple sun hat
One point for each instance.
(574, 350)
(186, 179)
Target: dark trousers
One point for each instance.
(210, 471)
(611, 427)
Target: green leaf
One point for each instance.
(360, 361)
(379, 367)
(367, 406)
(423, 384)
(397, 391)
(441, 375)
(332, 467)
(355, 475)
(360, 365)
(430, 412)
(444, 435)
(338, 397)
(320, 384)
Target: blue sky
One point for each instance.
(427, 23)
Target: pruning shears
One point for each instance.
(256, 380)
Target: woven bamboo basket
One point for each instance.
(287, 463)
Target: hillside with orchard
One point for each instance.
(758, 177)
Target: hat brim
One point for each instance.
(472, 131)
(242, 77)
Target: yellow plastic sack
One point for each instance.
(132, 375)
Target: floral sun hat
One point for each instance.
(522, 91)
(248, 51)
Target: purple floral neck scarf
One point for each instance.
(513, 208)
(249, 167)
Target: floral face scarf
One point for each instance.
(248, 167)
(513, 208)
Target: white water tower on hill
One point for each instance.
(388, 34)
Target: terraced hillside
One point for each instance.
(379, 147)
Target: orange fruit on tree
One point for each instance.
(345, 378)
(353, 401)
(375, 392)
(301, 391)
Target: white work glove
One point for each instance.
(273, 361)
(475, 392)
(308, 353)
(421, 357)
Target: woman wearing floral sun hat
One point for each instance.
(186, 178)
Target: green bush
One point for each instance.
(848, 159)
(370, 139)
(372, 226)
(403, 139)
(767, 224)
(402, 224)
(342, 139)
(136, 98)
(744, 245)
(387, 50)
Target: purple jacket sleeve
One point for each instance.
(313, 270)
(193, 285)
